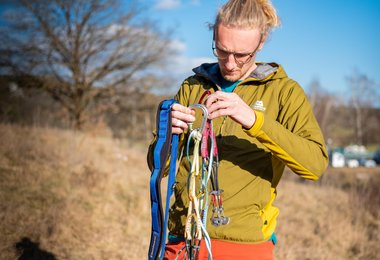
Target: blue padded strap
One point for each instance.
(170, 189)
(160, 156)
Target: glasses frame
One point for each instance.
(240, 63)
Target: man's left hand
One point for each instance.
(230, 104)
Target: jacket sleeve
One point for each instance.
(149, 156)
(294, 137)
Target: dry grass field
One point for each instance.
(74, 195)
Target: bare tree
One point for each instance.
(322, 103)
(82, 52)
(363, 96)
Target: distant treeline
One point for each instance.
(133, 115)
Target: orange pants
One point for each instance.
(222, 250)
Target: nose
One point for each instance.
(230, 62)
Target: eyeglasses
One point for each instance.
(240, 58)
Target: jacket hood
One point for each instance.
(264, 72)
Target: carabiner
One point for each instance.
(205, 115)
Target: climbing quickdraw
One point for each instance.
(212, 160)
(195, 227)
(203, 138)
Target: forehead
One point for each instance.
(236, 39)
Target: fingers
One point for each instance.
(183, 109)
(218, 95)
(222, 104)
(181, 116)
(179, 123)
(218, 104)
(230, 104)
(177, 130)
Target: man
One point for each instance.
(263, 122)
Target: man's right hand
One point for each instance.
(181, 116)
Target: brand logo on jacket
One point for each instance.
(259, 105)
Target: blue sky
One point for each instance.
(326, 40)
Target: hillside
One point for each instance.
(73, 195)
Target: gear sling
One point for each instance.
(166, 142)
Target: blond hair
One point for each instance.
(248, 14)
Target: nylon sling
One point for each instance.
(166, 141)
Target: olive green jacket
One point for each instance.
(252, 161)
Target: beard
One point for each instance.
(233, 75)
(237, 73)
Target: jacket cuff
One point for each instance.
(255, 129)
